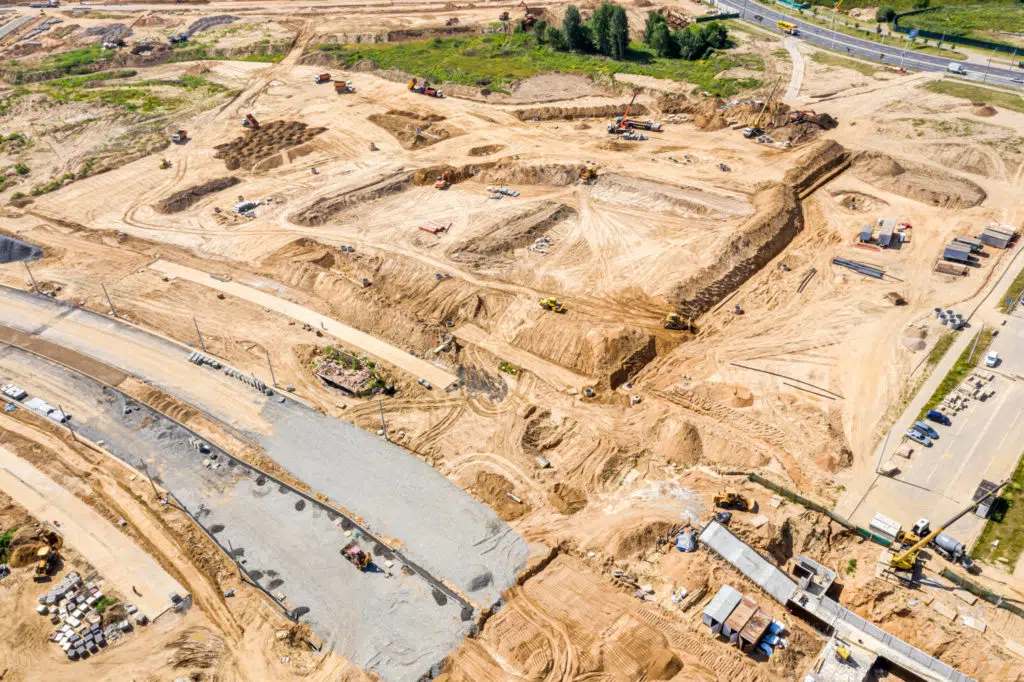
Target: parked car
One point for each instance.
(925, 430)
(992, 359)
(938, 418)
(918, 437)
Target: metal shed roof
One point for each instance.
(885, 233)
(722, 604)
(749, 562)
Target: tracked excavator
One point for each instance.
(251, 122)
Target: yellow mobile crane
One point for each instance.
(906, 560)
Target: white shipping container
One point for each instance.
(884, 526)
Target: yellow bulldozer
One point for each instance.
(730, 499)
(164, 164)
(675, 321)
(552, 304)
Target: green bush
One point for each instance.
(885, 15)
(21, 169)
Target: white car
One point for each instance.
(992, 359)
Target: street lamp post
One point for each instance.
(988, 65)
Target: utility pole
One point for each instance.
(67, 422)
(201, 344)
(988, 65)
(109, 302)
(235, 560)
(833, 28)
(145, 470)
(272, 379)
(903, 55)
(31, 277)
(383, 426)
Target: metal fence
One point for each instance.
(986, 594)
(947, 38)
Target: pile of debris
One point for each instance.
(541, 244)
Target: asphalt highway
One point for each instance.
(891, 55)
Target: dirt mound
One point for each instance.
(509, 232)
(512, 173)
(321, 210)
(674, 104)
(818, 162)
(542, 432)
(984, 111)
(566, 499)
(573, 113)
(778, 219)
(493, 490)
(663, 665)
(486, 150)
(24, 555)
(611, 355)
(179, 201)
(858, 201)
(639, 542)
(270, 138)
(927, 185)
(967, 158)
(414, 130)
(456, 174)
(679, 442)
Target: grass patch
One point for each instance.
(998, 98)
(70, 62)
(1013, 292)
(844, 63)
(985, 22)
(135, 96)
(851, 566)
(103, 602)
(198, 53)
(81, 81)
(1006, 524)
(963, 366)
(497, 60)
(5, 544)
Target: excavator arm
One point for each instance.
(906, 560)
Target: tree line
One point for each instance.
(607, 33)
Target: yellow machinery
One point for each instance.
(552, 304)
(589, 174)
(842, 652)
(755, 129)
(164, 164)
(359, 558)
(675, 321)
(730, 499)
(907, 560)
(46, 557)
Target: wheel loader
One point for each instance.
(730, 499)
(552, 304)
(358, 557)
(164, 164)
(675, 321)
(46, 557)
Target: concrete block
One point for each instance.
(758, 521)
(944, 610)
(775, 502)
(1015, 648)
(974, 623)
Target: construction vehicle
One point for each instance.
(164, 164)
(251, 122)
(907, 559)
(178, 39)
(624, 124)
(444, 180)
(424, 89)
(322, 78)
(180, 137)
(675, 321)
(617, 128)
(842, 652)
(47, 556)
(503, 16)
(358, 557)
(552, 304)
(730, 499)
(529, 18)
(755, 129)
(589, 174)
(343, 87)
(451, 21)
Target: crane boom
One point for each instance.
(630, 105)
(767, 102)
(908, 559)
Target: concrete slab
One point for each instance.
(117, 558)
(974, 623)
(965, 596)
(944, 610)
(758, 521)
(1015, 647)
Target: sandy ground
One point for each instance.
(662, 228)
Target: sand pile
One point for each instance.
(984, 110)
(817, 162)
(493, 490)
(270, 138)
(573, 113)
(510, 232)
(324, 208)
(486, 150)
(927, 185)
(179, 201)
(543, 432)
(414, 130)
(566, 499)
(665, 198)
(511, 173)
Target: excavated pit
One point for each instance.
(179, 201)
(13, 250)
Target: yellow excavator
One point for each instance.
(755, 129)
(675, 321)
(164, 164)
(907, 559)
(730, 499)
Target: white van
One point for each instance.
(957, 68)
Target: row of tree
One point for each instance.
(607, 33)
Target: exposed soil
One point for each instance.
(179, 201)
(494, 490)
(260, 144)
(414, 130)
(924, 184)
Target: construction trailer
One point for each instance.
(982, 493)
(866, 233)
(957, 252)
(739, 618)
(975, 245)
(887, 227)
(721, 607)
(754, 630)
(999, 236)
(885, 527)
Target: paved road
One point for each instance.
(891, 55)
